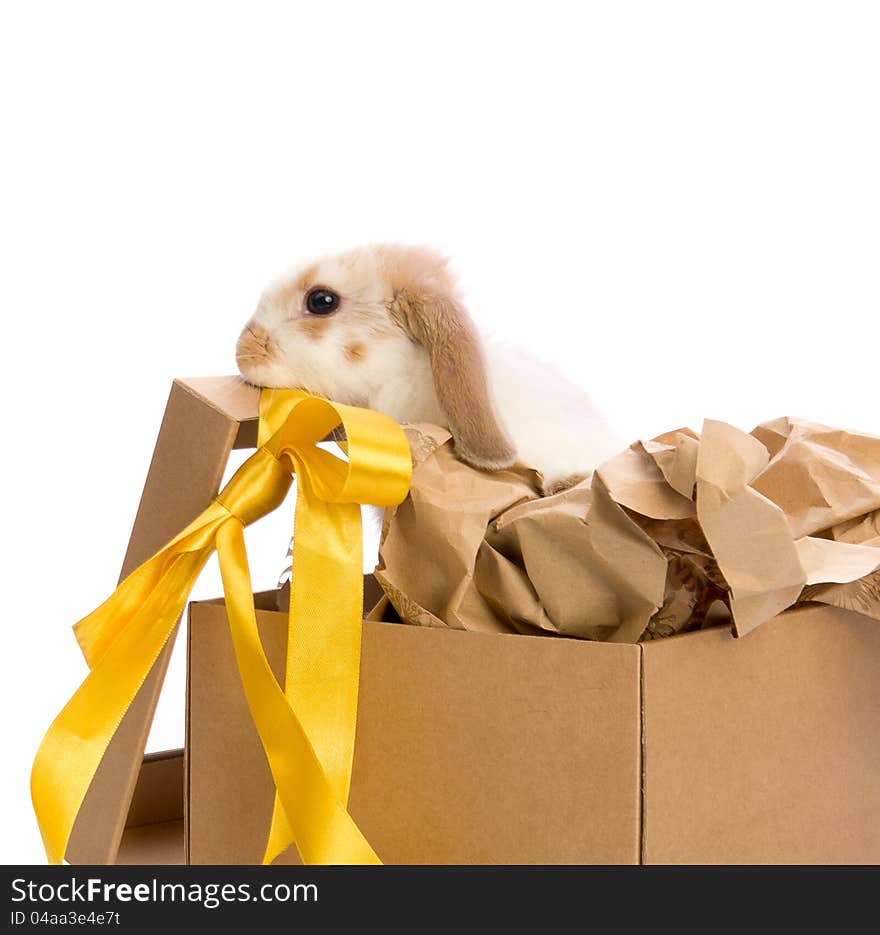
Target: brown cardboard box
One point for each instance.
(501, 748)
(493, 748)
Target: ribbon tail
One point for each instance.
(280, 833)
(74, 745)
(323, 640)
(324, 632)
(321, 826)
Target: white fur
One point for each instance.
(552, 422)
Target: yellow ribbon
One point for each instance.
(307, 730)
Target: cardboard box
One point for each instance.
(487, 748)
(506, 749)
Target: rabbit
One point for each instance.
(384, 327)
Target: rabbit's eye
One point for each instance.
(322, 301)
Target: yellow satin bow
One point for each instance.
(307, 730)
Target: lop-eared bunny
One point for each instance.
(384, 327)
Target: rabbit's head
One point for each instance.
(381, 327)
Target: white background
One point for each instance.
(677, 203)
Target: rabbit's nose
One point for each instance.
(257, 333)
(253, 343)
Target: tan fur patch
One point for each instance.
(355, 352)
(415, 266)
(314, 328)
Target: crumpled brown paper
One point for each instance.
(673, 534)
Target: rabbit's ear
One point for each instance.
(438, 321)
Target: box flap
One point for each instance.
(204, 419)
(232, 398)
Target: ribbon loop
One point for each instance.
(374, 473)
